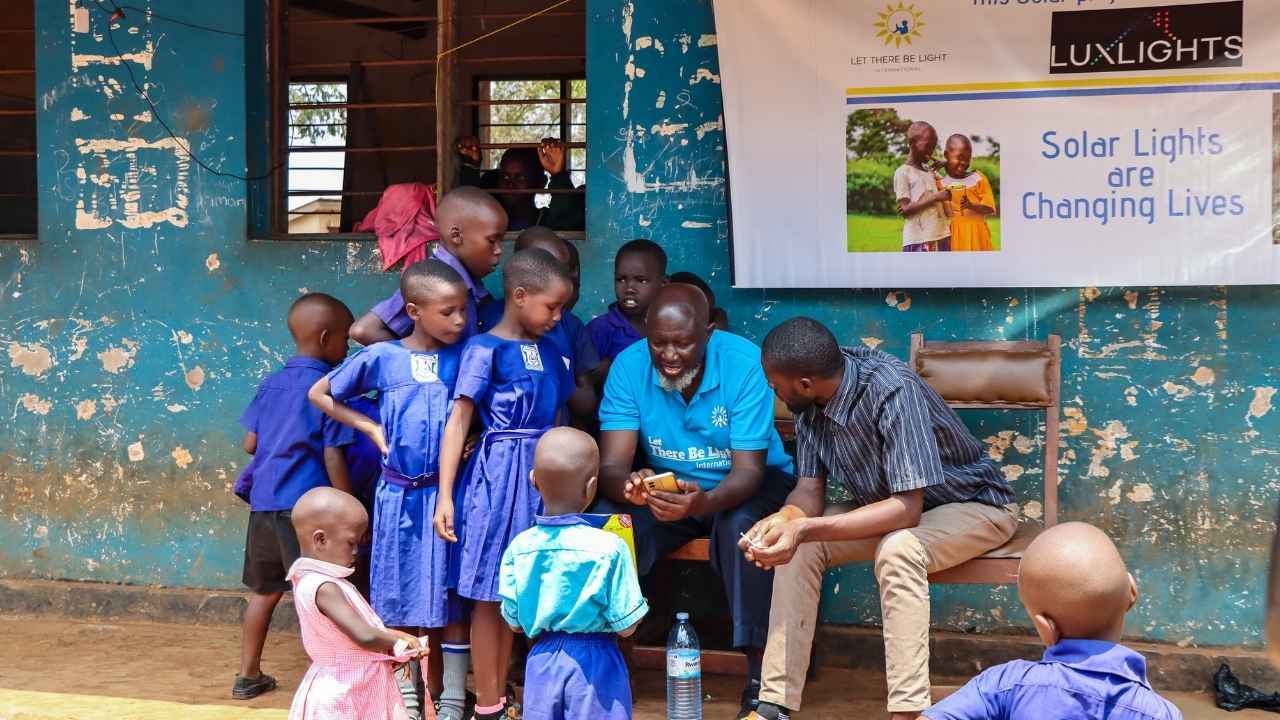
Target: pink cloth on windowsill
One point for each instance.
(405, 223)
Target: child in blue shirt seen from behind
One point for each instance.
(1074, 586)
(515, 378)
(294, 448)
(572, 589)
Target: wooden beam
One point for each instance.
(446, 105)
(278, 147)
(346, 12)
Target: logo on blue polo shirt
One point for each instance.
(720, 416)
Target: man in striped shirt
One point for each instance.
(925, 500)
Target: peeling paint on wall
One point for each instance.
(34, 359)
(116, 360)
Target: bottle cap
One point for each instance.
(682, 616)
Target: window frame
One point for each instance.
(19, 112)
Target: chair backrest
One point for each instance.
(1000, 375)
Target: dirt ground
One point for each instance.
(57, 670)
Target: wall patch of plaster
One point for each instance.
(136, 453)
(704, 74)
(181, 457)
(872, 342)
(1033, 510)
(1178, 392)
(1203, 376)
(195, 377)
(898, 299)
(1141, 493)
(695, 225)
(668, 129)
(36, 404)
(34, 359)
(1012, 472)
(1076, 422)
(1261, 403)
(212, 262)
(707, 41)
(116, 360)
(1108, 445)
(85, 409)
(184, 337)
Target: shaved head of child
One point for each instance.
(1074, 585)
(565, 465)
(435, 298)
(471, 226)
(319, 325)
(544, 238)
(330, 524)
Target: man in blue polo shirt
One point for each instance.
(696, 403)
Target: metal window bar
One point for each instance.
(427, 18)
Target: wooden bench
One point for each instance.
(978, 375)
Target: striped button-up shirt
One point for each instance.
(885, 431)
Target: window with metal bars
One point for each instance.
(17, 121)
(357, 104)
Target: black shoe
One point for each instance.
(249, 688)
(750, 699)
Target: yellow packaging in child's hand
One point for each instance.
(617, 523)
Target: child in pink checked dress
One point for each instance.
(352, 653)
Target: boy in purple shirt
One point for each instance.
(471, 226)
(1075, 588)
(295, 447)
(639, 269)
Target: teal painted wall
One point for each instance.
(136, 327)
(1168, 435)
(130, 348)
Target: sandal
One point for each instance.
(249, 688)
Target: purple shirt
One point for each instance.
(610, 334)
(292, 435)
(392, 313)
(1075, 680)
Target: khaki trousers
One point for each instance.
(946, 536)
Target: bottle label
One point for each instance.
(684, 664)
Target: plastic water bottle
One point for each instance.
(684, 672)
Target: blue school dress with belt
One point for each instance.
(517, 387)
(409, 569)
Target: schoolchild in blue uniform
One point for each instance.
(364, 467)
(294, 448)
(514, 377)
(639, 269)
(414, 379)
(573, 590)
(471, 226)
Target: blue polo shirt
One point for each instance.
(292, 435)
(1075, 680)
(731, 410)
(609, 334)
(481, 311)
(563, 575)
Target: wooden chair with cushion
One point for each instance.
(969, 375)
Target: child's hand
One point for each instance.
(469, 448)
(964, 202)
(443, 520)
(468, 147)
(942, 196)
(634, 490)
(551, 153)
(379, 439)
(407, 646)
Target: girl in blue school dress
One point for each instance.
(515, 378)
(414, 380)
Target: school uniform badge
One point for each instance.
(425, 368)
(532, 358)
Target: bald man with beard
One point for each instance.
(693, 401)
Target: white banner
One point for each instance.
(1058, 142)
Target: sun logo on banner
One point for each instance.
(899, 24)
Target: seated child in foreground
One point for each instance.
(351, 651)
(572, 588)
(1074, 586)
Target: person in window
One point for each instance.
(525, 169)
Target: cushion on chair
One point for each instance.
(996, 373)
